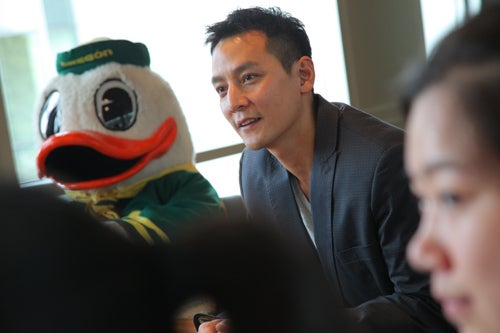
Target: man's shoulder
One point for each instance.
(353, 122)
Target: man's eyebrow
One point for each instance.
(216, 79)
(241, 68)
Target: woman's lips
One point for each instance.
(455, 307)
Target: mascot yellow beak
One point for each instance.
(88, 160)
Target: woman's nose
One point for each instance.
(426, 251)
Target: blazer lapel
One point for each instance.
(322, 182)
(285, 208)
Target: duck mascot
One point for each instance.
(113, 136)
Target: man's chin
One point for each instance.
(252, 145)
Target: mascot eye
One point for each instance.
(116, 105)
(49, 116)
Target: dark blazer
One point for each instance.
(363, 216)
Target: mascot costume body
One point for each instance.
(114, 137)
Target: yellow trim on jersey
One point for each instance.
(140, 223)
(141, 230)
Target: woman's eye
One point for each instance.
(420, 204)
(450, 199)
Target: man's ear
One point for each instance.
(306, 74)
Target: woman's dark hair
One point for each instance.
(475, 48)
(287, 38)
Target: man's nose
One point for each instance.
(236, 99)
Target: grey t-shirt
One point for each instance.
(304, 208)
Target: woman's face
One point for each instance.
(457, 180)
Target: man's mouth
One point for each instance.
(248, 121)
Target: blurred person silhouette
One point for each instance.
(453, 161)
(262, 288)
(63, 271)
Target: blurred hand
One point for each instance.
(214, 326)
(116, 228)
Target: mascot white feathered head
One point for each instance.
(106, 120)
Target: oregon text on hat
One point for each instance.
(88, 56)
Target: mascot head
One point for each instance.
(106, 120)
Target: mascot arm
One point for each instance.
(167, 207)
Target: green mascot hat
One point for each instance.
(88, 56)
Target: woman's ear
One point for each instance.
(306, 74)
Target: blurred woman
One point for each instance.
(453, 160)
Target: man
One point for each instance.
(329, 177)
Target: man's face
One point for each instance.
(258, 97)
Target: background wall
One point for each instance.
(381, 38)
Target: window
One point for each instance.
(30, 40)
(451, 13)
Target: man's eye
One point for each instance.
(220, 90)
(248, 77)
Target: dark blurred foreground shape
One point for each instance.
(62, 271)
